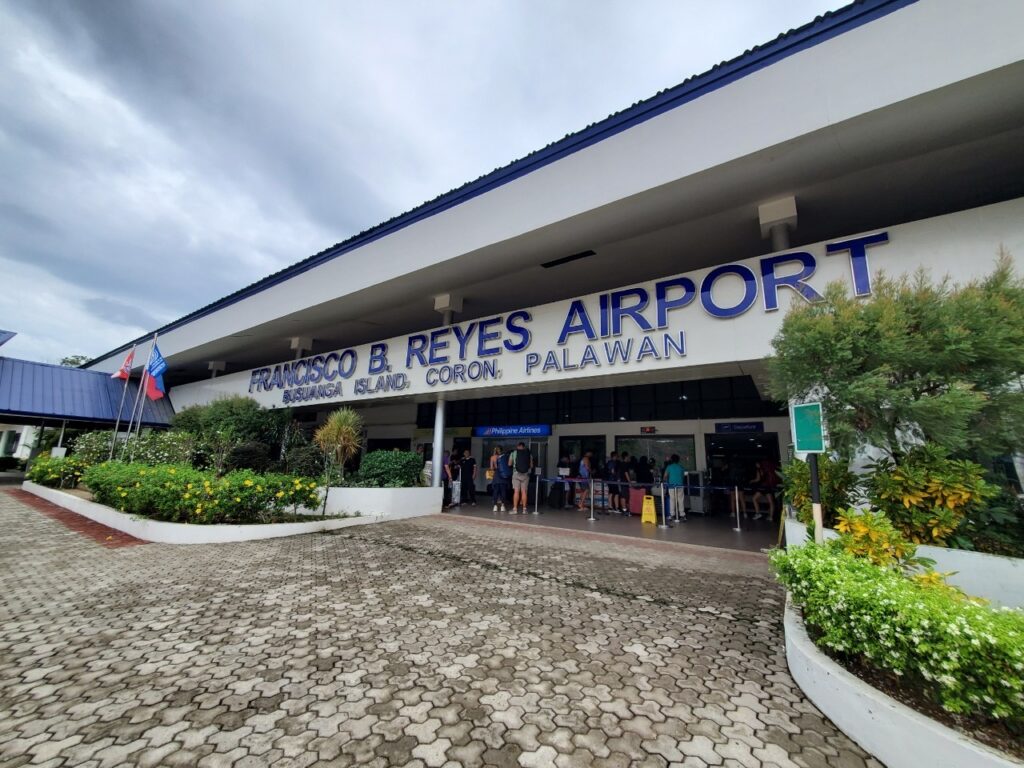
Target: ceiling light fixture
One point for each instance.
(567, 259)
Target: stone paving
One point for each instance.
(432, 642)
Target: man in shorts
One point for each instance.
(521, 461)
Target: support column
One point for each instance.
(437, 454)
(300, 345)
(777, 219)
(215, 367)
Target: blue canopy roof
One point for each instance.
(31, 392)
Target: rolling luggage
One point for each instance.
(636, 500)
(556, 496)
(456, 493)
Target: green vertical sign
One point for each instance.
(808, 428)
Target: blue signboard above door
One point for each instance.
(739, 427)
(518, 430)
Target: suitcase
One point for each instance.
(636, 500)
(556, 496)
(456, 493)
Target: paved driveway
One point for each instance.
(424, 643)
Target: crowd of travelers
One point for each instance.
(626, 480)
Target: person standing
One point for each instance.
(564, 468)
(625, 482)
(451, 471)
(500, 473)
(586, 470)
(673, 476)
(644, 475)
(521, 462)
(611, 476)
(467, 473)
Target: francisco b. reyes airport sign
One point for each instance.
(724, 314)
(664, 323)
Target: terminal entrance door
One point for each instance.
(733, 461)
(538, 449)
(574, 447)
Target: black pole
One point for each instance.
(819, 518)
(812, 460)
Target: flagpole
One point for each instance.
(124, 392)
(138, 395)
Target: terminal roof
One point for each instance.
(32, 392)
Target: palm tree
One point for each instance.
(340, 438)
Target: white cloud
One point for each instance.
(182, 151)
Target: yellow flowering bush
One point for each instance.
(179, 493)
(56, 472)
(870, 535)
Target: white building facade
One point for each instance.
(619, 289)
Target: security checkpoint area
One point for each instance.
(616, 293)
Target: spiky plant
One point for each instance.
(340, 437)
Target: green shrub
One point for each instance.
(926, 495)
(241, 418)
(996, 527)
(390, 469)
(55, 472)
(179, 493)
(248, 455)
(304, 461)
(967, 657)
(837, 483)
(92, 447)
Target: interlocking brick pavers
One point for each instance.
(431, 642)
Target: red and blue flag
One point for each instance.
(155, 382)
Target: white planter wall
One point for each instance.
(896, 734)
(385, 503)
(389, 499)
(996, 578)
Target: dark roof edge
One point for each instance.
(823, 28)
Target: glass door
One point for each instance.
(659, 448)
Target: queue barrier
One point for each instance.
(688, 488)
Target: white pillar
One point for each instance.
(437, 457)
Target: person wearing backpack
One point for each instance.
(500, 478)
(521, 462)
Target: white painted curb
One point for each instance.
(182, 533)
(894, 733)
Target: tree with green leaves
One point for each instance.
(917, 362)
(74, 361)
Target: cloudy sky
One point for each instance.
(159, 155)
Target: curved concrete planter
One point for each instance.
(182, 533)
(385, 503)
(998, 579)
(894, 733)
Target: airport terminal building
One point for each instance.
(620, 288)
